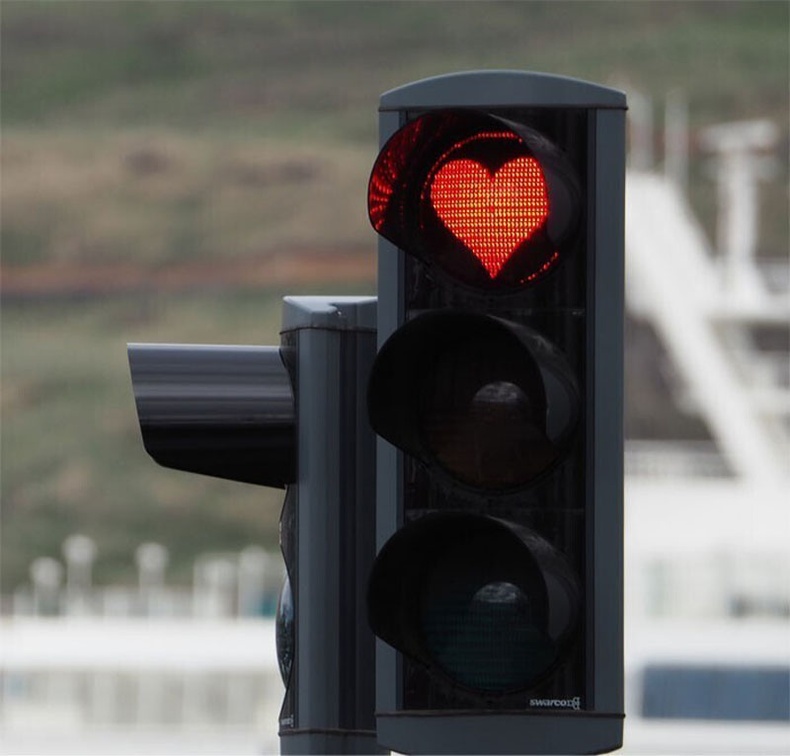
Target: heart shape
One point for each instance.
(492, 215)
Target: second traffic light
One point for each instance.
(292, 417)
(497, 387)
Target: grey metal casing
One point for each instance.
(291, 416)
(225, 411)
(329, 343)
(599, 728)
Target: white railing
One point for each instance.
(225, 585)
(157, 661)
(67, 675)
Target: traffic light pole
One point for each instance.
(328, 526)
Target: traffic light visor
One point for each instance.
(489, 402)
(490, 202)
(484, 602)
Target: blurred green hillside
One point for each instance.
(171, 170)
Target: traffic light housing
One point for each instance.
(497, 393)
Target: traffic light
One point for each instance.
(497, 393)
(291, 417)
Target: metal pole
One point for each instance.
(329, 706)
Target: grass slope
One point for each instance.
(149, 134)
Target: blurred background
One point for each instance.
(171, 170)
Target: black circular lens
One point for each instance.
(495, 439)
(486, 623)
(485, 603)
(486, 636)
(489, 402)
(482, 409)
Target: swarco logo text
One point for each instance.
(557, 703)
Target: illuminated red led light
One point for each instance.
(493, 205)
(387, 173)
(491, 214)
